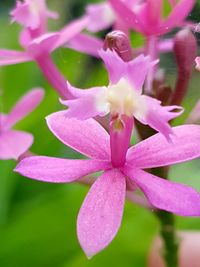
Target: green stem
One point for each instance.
(170, 243)
(167, 229)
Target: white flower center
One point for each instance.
(121, 99)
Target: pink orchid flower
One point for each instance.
(38, 43)
(146, 16)
(102, 16)
(123, 95)
(101, 213)
(14, 143)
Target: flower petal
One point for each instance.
(86, 44)
(88, 103)
(114, 64)
(87, 137)
(101, 16)
(14, 143)
(101, 213)
(70, 31)
(127, 15)
(43, 44)
(11, 57)
(157, 116)
(156, 151)
(137, 71)
(24, 106)
(56, 170)
(179, 13)
(166, 195)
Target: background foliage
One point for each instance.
(38, 220)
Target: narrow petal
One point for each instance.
(156, 151)
(82, 108)
(138, 69)
(179, 13)
(25, 106)
(127, 15)
(101, 213)
(70, 31)
(86, 44)
(115, 66)
(43, 44)
(166, 195)
(88, 103)
(101, 16)
(157, 116)
(87, 137)
(14, 143)
(11, 57)
(55, 170)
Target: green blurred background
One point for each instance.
(38, 220)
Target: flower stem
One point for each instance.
(167, 229)
(170, 243)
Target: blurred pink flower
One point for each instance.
(123, 95)
(101, 213)
(38, 43)
(32, 14)
(147, 17)
(14, 143)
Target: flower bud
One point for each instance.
(119, 42)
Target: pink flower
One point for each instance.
(101, 213)
(32, 14)
(14, 143)
(38, 43)
(146, 16)
(123, 95)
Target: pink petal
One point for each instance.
(87, 137)
(70, 31)
(166, 45)
(157, 116)
(22, 14)
(32, 14)
(101, 16)
(14, 143)
(86, 44)
(114, 64)
(126, 14)
(154, 11)
(166, 195)
(81, 108)
(179, 13)
(55, 170)
(84, 106)
(10, 57)
(24, 106)
(156, 151)
(43, 44)
(101, 213)
(135, 70)
(197, 60)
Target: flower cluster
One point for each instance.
(98, 122)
